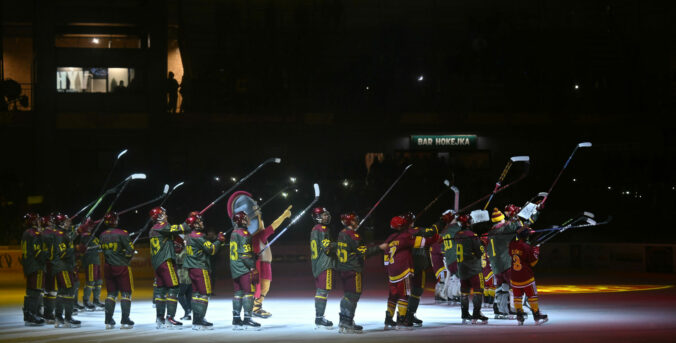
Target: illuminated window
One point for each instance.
(94, 41)
(94, 80)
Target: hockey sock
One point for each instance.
(402, 307)
(184, 298)
(321, 296)
(76, 288)
(348, 305)
(533, 302)
(199, 307)
(172, 301)
(476, 303)
(160, 301)
(49, 302)
(247, 305)
(413, 302)
(26, 304)
(58, 306)
(110, 306)
(125, 304)
(391, 306)
(97, 291)
(87, 292)
(237, 303)
(464, 303)
(33, 300)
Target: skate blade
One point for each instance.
(252, 328)
(31, 324)
(110, 326)
(542, 321)
(324, 327)
(126, 327)
(198, 327)
(237, 328)
(404, 328)
(174, 327)
(466, 321)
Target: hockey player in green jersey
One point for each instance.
(163, 259)
(63, 263)
(197, 260)
(323, 257)
(243, 271)
(351, 254)
(117, 251)
(32, 259)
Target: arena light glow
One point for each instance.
(579, 289)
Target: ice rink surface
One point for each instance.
(644, 316)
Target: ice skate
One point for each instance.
(110, 324)
(323, 323)
(249, 324)
(59, 322)
(519, 317)
(186, 316)
(466, 317)
(415, 321)
(390, 324)
(89, 307)
(237, 323)
(32, 320)
(404, 323)
(126, 323)
(173, 323)
(99, 306)
(261, 313)
(347, 326)
(202, 325)
(479, 318)
(160, 323)
(69, 323)
(540, 318)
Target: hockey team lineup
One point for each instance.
(479, 254)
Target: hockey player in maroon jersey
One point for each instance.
(524, 259)
(399, 266)
(49, 298)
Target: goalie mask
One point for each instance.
(242, 201)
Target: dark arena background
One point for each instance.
(347, 94)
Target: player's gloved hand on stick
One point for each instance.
(221, 237)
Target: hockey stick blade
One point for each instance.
(177, 185)
(138, 176)
(520, 158)
(121, 153)
(584, 145)
(447, 183)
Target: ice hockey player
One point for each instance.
(524, 259)
(91, 263)
(421, 262)
(49, 299)
(499, 237)
(351, 254)
(32, 259)
(198, 262)
(117, 252)
(243, 272)
(63, 263)
(163, 258)
(438, 260)
(489, 280)
(184, 283)
(468, 254)
(399, 266)
(264, 261)
(323, 258)
(452, 283)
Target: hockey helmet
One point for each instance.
(349, 219)
(318, 214)
(156, 212)
(31, 219)
(110, 219)
(511, 210)
(242, 201)
(240, 219)
(398, 223)
(194, 220)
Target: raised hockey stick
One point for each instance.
(295, 219)
(102, 194)
(137, 176)
(589, 222)
(504, 174)
(265, 203)
(382, 197)
(475, 202)
(442, 193)
(579, 145)
(135, 207)
(570, 222)
(269, 160)
(164, 201)
(456, 199)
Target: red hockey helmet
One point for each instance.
(45, 221)
(110, 219)
(193, 219)
(240, 219)
(179, 244)
(59, 218)
(156, 212)
(318, 215)
(512, 209)
(448, 216)
(31, 219)
(464, 219)
(86, 226)
(399, 222)
(349, 219)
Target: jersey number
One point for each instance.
(313, 246)
(393, 250)
(459, 252)
(188, 250)
(493, 246)
(233, 251)
(448, 242)
(516, 263)
(154, 246)
(342, 255)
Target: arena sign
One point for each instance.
(431, 142)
